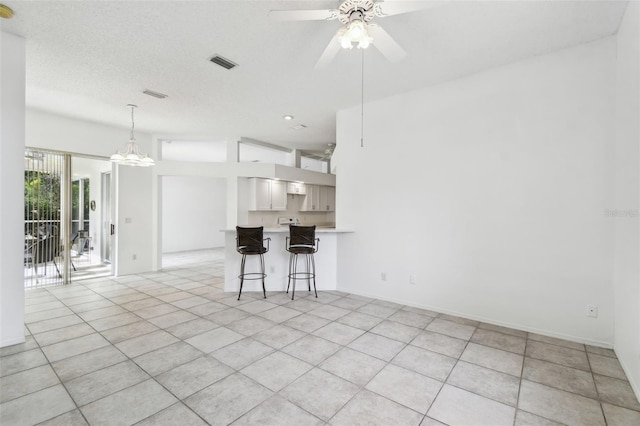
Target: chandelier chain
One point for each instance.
(133, 124)
(362, 104)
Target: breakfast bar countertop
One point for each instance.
(277, 260)
(284, 229)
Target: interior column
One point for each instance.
(12, 137)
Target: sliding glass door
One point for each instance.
(43, 213)
(63, 236)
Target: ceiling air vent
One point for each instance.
(298, 127)
(224, 63)
(154, 94)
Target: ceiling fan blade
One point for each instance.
(329, 53)
(385, 44)
(391, 7)
(303, 15)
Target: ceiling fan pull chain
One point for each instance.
(362, 105)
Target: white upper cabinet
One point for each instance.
(261, 194)
(331, 198)
(311, 200)
(319, 199)
(278, 195)
(296, 188)
(267, 194)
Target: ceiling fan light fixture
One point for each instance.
(356, 31)
(5, 12)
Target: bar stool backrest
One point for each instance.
(302, 235)
(250, 238)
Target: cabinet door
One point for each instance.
(311, 200)
(323, 204)
(295, 188)
(278, 195)
(263, 194)
(331, 199)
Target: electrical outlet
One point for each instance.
(383, 276)
(134, 257)
(592, 311)
(412, 279)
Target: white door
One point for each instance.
(107, 223)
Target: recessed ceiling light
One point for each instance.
(288, 117)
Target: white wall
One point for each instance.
(134, 230)
(627, 181)
(194, 210)
(12, 123)
(491, 190)
(47, 130)
(253, 153)
(196, 151)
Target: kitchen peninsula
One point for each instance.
(277, 261)
(274, 199)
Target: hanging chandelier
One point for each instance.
(131, 155)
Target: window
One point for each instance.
(80, 205)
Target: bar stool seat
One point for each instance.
(302, 241)
(250, 242)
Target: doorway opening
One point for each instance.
(193, 214)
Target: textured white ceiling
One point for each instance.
(88, 59)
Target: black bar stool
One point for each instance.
(249, 242)
(302, 240)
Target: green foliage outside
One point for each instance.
(41, 196)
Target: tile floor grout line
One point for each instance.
(131, 284)
(444, 382)
(515, 417)
(593, 377)
(63, 384)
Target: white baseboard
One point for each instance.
(577, 339)
(11, 342)
(634, 386)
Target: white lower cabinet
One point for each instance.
(267, 194)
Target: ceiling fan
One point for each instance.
(322, 156)
(358, 29)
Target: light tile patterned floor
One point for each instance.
(172, 348)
